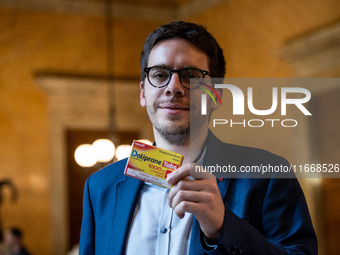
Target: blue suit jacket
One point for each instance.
(262, 216)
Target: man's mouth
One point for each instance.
(174, 106)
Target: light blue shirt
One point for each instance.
(155, 227)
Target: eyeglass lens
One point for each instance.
(160, 76)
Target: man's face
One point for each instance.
(9, 239)
(169, 107)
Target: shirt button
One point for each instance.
(164, 230)
(233, 250)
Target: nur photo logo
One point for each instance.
(282, 97)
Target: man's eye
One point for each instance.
(188, 75)
(193, 75)
(160, 75)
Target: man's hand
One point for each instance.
(201, 197)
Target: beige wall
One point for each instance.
(36, 42)
(251, 33)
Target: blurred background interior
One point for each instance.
(69, 75)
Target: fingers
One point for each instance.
(188, 190)
(180, 173)
(200, 197)
(184, 172)
(186, 206)
(197, 191)
(176, 198)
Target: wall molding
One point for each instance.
(82, 103)
(143, 11)
(314, 54)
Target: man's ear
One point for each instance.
(142, 95)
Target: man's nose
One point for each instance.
(175, 87)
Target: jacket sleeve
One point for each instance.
(284, 226)
(87, 235)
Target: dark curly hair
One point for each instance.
(193, 33)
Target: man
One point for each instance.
(123, 215)
(13, 242)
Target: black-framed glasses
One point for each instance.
(160, 76)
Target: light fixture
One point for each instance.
(123, 151)
(84, 155)
(104, 150)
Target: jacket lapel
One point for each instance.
(126, 197)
